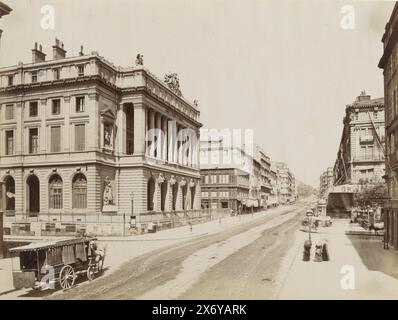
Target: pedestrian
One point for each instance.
(318, 252)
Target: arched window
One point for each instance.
(56, 186)
(10, 193)
(150, 193)
(79, 192)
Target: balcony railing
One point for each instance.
(366, 139)
(369, 158)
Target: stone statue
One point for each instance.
(172, 81)
(107, 137)
(139, 61)
(160, 179)
(183, 182)
(196, 103)
(173, 180)
(108, 196)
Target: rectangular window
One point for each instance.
(56, 197)
(56, 107)
(80, 70)
(9, 111)
(79, 104)
(57, 74)
(33, 140)
(33, 109)
(80, 137)
(9, 142)
(56, 139)
(34, 76)
(10, 80)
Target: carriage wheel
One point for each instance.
(67, 277)
(90, 273)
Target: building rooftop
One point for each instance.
(390, 37)
(60, 58)
(364, 100)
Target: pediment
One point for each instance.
(108, 113)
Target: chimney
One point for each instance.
(37, 54)
(81, 53)
(58, 50)
(363, 97)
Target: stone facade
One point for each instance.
(226, 188)
(360, 158)
(77, 140)
(389, 64)
(225, 182)
(326, 182)
(286, 183)
(264, 177)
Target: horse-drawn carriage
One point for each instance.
(46, 264)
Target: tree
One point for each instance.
(371, 194)
(304, 190)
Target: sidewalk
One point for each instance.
(123, 249)
(373, 267)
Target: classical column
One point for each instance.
(172, 133)
(121, 128)
(194, 150)
(139, 129)
(164, 142)
(191, 148)
(179, 145)
(159, 144)
(151, 125)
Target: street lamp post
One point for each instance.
(309, 214)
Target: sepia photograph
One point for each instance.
(178, 151)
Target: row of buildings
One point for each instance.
(360, 158)
(368, 151)
(389, 64)
(83, 139)
(228, 184)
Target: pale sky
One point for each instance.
(283, 68)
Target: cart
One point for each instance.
(47, 264)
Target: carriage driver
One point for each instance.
(97, 252)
